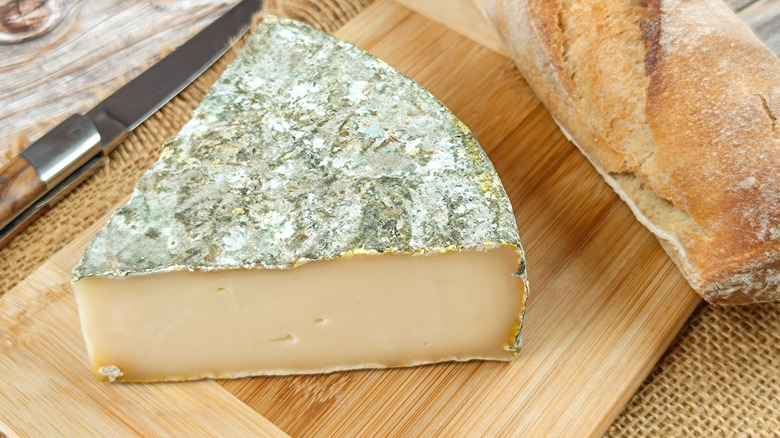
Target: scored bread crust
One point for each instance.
(676, 104)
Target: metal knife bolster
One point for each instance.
(64, 149)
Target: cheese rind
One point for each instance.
(307, 148)
(308, 155)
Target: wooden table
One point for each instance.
(100, 45)
(605, 304)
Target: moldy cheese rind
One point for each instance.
(307, 148)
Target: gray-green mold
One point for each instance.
(307, 148)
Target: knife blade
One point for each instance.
(64, 157)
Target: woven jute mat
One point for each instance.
(720, 377)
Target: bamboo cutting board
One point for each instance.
(605, 299)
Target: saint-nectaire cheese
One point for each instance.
(320, 212)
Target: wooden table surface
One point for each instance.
(98, 46)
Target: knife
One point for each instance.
(64, 157)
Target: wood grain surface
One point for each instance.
(98, 46)
(94, 50)
(605, 299)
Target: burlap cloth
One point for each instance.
(720, 377)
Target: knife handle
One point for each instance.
(44, 165)
(20, 185)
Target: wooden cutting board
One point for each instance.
(606, 301)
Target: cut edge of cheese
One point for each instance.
(362, 311)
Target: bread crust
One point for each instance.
(676, 104)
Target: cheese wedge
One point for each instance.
(320, 212)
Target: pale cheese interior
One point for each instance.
(353, 312)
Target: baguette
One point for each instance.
(676, 104)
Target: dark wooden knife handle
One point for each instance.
(20, 186)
